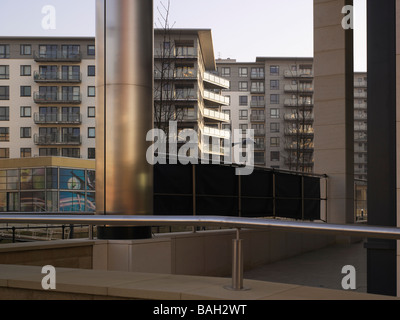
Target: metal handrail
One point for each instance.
(219, 221)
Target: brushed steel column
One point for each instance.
(124, 103)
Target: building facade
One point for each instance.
(47, 97)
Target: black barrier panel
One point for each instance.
(173, 179)
(256, 207)
(312, 209)
(217, 206)
(312, 188)
(167, 205)
(287, 185)
(216, 180)
(288, 208)
(258, 184)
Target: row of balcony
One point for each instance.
(302, 73)
(57, 118)
(188, 94)
(55, 77)
(297, 131)
(216, 115)
(57, 139)
(57, 97)
(57, 56)
(302, 88)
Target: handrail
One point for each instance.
(229, 222)
(206, 221)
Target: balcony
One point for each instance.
(257, 104)
(257, 75)
(299, 103)
(362, 95)
(301, 132)
(360, 84)
(57, 77)
(216, 98)
(257, 117)
(302, 148)
(58, 118)
(57, 139)
(259, 147)
(304, 73)
(50, 98)
(58, 56)
(216, 115)
(259, 132)
(299, 117)
(298, 88)
(214, 132)
(216, 80)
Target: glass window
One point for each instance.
(26, 49)
(243, 114)
(4, 72)
(274, 70)
(4, 113)
(25, 91)
(33, 201)
(274, 113)
(243, 100)
(226, 72)
(91, 50)
(91, 91)
(4, 51)
(275, 127)
(72, 179)
(275, 141)
(274, 84)
(91, 180)
(91, 132)
(4, 93)
(26, 71)
(52, 201)
(91, 153)
(243, 86)
(91, 71)
(275, 156)
(4, 134)
(91, 112)
(4, 153)
(274, 99)
(25, 132)
(243, 72)
(26, 152)
(51, 178)
(91, 202)
(25, 112)
(72, 201)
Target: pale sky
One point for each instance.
(242, 30)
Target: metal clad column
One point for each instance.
(124, 53)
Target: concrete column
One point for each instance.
(334, 101)
(124, 57)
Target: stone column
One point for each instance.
(334, 107)
(124, 58)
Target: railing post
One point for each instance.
(237, 264)
(13, 234)
(273, 194)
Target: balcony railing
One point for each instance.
(58, 118)
(214, 132)
(298, 88)
(257, 104)
(216, 80)
(215, 97)
(298, 103)
(302, 132)
(58, 56)
(216, 115)
(57, 139)
(50, 97)
(257, 117)
(257, 75)
(54, 77)
(305, 73)
(299, 117)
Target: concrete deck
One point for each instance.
(24, 282)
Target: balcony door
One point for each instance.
(48, 114)
(70, 72)
(71, 134)
(70, 114)
(48, 51)
(48, 72)
(70, 93)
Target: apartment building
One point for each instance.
(274, 96)
(187, 88)
(47, 97)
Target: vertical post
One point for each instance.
(240, 195)
(274, 194)
(237, 264)
(334, 106)
(302, 198)
(124, 58)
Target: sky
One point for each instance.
(242, 30)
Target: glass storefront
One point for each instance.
(47, 189)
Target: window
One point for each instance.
(275, 142)
(274, 70)
(4, 134)
(91, 71)
(275, 156)
(243, 86)
(257, 73)
(26, 152)
(4, 153)
(91, 153)
(91, 50)
(70, 51)
(25, 132)
(25, 71)
(4, 51)
(47, 152)
(274, 85)
(71, 152)
(257, 101)
(243, 114)
(91, 91)
(243, 72)
(25, 91)
(274, 113)
(91, 112)
(91, 132)
(4, 72)
(274, 99)
(26, 49)
(257, 87)
(4, 113)
(243, 100)
(226, 72)
(275, 127)
(4, 93)
(25, 112)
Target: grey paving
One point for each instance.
(321, 268)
